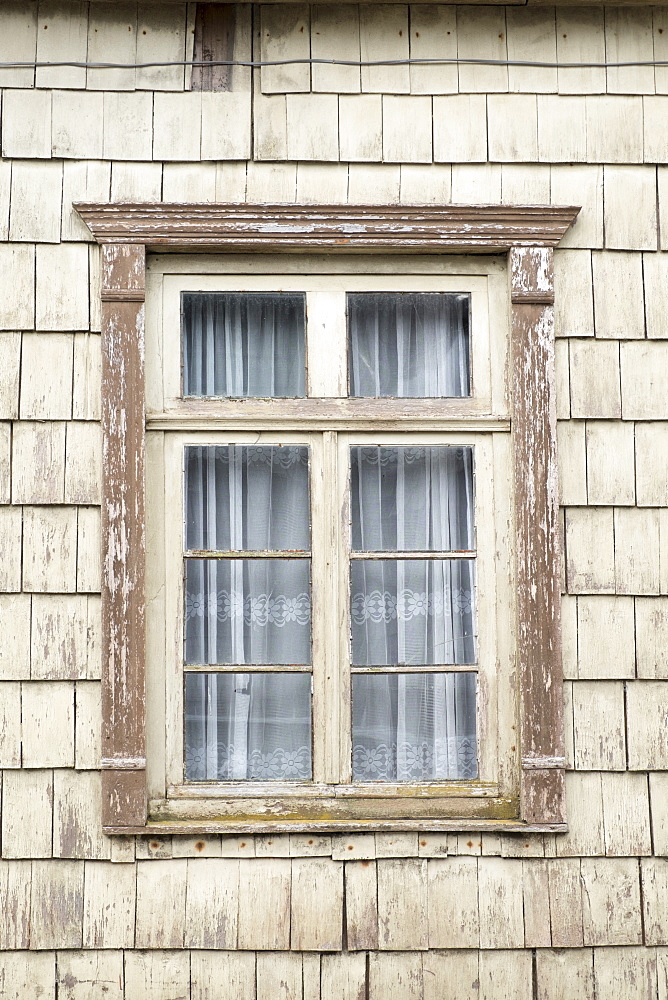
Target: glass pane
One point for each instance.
(412, 611)
(418, 499)
(247, 497)
(414, 727)
(243, 343)
(241, 726)
(248, 611)
(408, 344)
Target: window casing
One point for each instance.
(527, 236)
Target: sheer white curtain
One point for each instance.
(413, 612)
(414, 727)
(243, 344)
(247, 611)
(242, 726)
(408, 344)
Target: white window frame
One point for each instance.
(481, 420)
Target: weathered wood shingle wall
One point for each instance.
(300, 918)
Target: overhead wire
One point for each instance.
(260, 63)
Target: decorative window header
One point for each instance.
(385, 229)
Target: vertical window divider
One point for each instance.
(174, 598)
(320, 605)
(501, 698)
(489, 553)
(341, 521)
(158, 540)
(326, 344)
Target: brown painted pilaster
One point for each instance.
(123, 628)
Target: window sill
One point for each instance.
(217, 791)
(203, 816)
(446, 807)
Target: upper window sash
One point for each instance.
(327, 360)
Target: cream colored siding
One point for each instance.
(298, 917)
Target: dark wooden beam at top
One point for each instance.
(215, 28)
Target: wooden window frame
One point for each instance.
(528, 236)
(330, 420)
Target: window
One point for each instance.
(351, 582)
(325, 567)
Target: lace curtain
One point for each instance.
(243, 497)
(417, 612)
(252, 344)
(256, 611)
(247, 611)
(248, 726)
(408, 344)
(414, 727)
